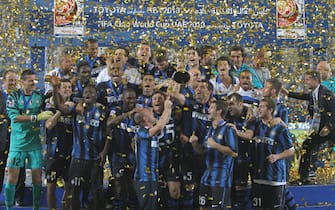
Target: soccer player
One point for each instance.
(164, 70)
(143, 56)
(272, 89)
(244, 126)
(89, 149)
(9, 85)
(59, 146)
(24, 108)
(195, 124)
(244, 88)
(223, 83)
(192, 58)
(147, 154)
(273, 144)
(193, 83)
(148, 85)
(220, 147)
(95, 62)
(110, 92)
(207, 54)
(84, 79)
(64, 71)
(237, 55)
(121, 155)
(169, 183)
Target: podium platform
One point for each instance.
(319, 197)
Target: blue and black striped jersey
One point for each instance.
(282, 112)
(109, 94)
(168, 153)
(270, 140)
(219, 166)
(144, 101)
(88, 130)
(147, 156)
(123, 134)
(59, 138)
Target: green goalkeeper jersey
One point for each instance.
(25, 136)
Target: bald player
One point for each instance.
(326, 75)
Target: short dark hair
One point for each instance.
(82, 63)
(125, 50)
(159, 92)
(209, 84)
(91, 86)
(4, 74)
(161, 55)
(65, 80)
(132, 61)
(314, 74)
(204, 50)
(238, 98)
(191, 47)
(91, 40)
(221, 105)
(26, 73)
(271, 104)
(143, 43)
(128, 90)
(223, 58)
(276, 84)
(237, 48)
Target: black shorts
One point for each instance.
(86, 173)
(147, 194)
(214, 197)
(192, 168)
(57, 168)
(241, 171)
(123, 185)
(267, 196)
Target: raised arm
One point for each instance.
(163, 120)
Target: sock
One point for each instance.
(37, 195)
(9, 195)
